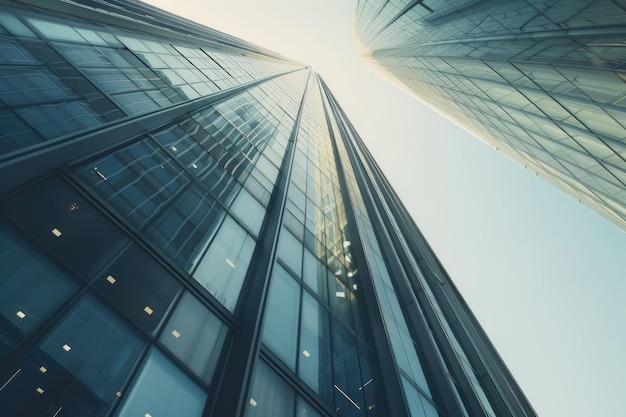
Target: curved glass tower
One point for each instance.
(543, 82)
(190, 226)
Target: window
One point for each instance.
(280, 331)
(195, 336)
(81, 367)
(269, 394)
(31, 288)
(162, 389)
(223, 267)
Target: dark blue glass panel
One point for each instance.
(139, 287)
(347, 376)
(59, 218)
(80, 368)
(57, 119)
(15, 134)
(31, 288)
(137, 180)
(183, 229)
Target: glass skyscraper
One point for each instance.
(543, 82)
(190, 226)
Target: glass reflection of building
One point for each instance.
(543, 82)
(190, 226)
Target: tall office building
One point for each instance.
(543, 82)
(190, 226)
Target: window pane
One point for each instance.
(280, 330)
(314, 274)
(14, 133)
(163, 390)
(347, 375)
(183, 229)
(223, 268)
(304, 409)
(269, 394)
(290, 251)
(195, 336)
(314, 364)
(56, 119)
(415, 401)
(24, 86)
(31, 288)
(249, 211)
(139, 287)
(137, 180)
(81, 367)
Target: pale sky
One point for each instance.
(543, 274)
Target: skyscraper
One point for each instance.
(190, 226)
(542, 82)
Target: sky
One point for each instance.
(543, 274)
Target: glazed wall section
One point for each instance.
(543, 83)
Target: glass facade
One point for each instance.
(189, 225)
(545, 83)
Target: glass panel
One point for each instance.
(24, 86)
(139, 287)
(290, 251)
(304, 409)
(80, 368)
(314, 364)
(184, 227)
(269, 395)
(414, 400)
(341, 299)
(280, 329)
(163, 390)
(56, 31)
(249, 211)
(195, 336)
(59, 218)
(14, 133)
(136, 180)
(314, 274)
(52, 120)
(223, 268)
(347, 376)
(31, 288)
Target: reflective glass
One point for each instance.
(314, 359)
(161, 389)
(31, 288)
(139, 286)
(418, 405)
(280, 331)
(56, 31)
(249, 211)
(195, 336)
(183, 227)
(56, 119)
(269, 395)
(222, 269)
(80, 368)
(304, 409)
(314, 274)
(24, 86)
(290, 251)
(136, 180)
(346, 372)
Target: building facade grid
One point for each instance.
(190, 225)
